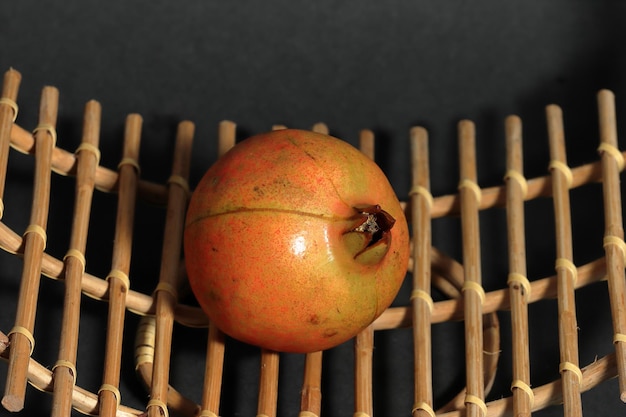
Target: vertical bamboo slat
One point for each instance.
(88, 155)
(212, 387)
(566, 271)
(615, 249)
(473, 293)
(268, 384)
(311, 394)
(421, 300)
(21, 336)
(519, 287)
(364, 341)
(214, 366)
(166, 293)
(118, 280)
(8, 114)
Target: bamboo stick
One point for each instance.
(215, 347)
(518, 283)
(473, 294)
(364, 341)
(88, 156)
(566, 272)
(166, 291)
(118, 281)
(311, 393)
(268, 384)
(8, 114)
(21, 336)
(421, 301)
(445, 205)
(612, 164)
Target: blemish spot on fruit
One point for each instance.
(328, 333)
(314, 319)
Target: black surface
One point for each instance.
(385, 66)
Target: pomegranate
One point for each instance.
(295, 241)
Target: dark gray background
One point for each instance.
(385, 66)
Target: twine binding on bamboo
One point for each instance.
(207, 413)
(168, 288)
(564, 263)
(26, 333)
(563, 169)
(425, 407)
(518, 383)
(473, 399)
(476, 287)
(160, 404)
(619, 338)
(78, 255)
(7, 101)
(38, 230)
(423, 295)
(572, 367)
(617, 241)
(48, 128)
(519, 178)
(122, 276)
(180, 181)
(66, 364)
(88, 147)
(614, 152)
(522, 280)
(360, 414)
(467, 183)
(112, 389)
(423, 191)
(130, 161)
(306, 413)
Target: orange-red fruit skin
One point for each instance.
(263, 242)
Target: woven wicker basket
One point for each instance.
(460, 283)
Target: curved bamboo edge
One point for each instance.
(64, 162)
(40, 377)
(595, 373)
(394, 317)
